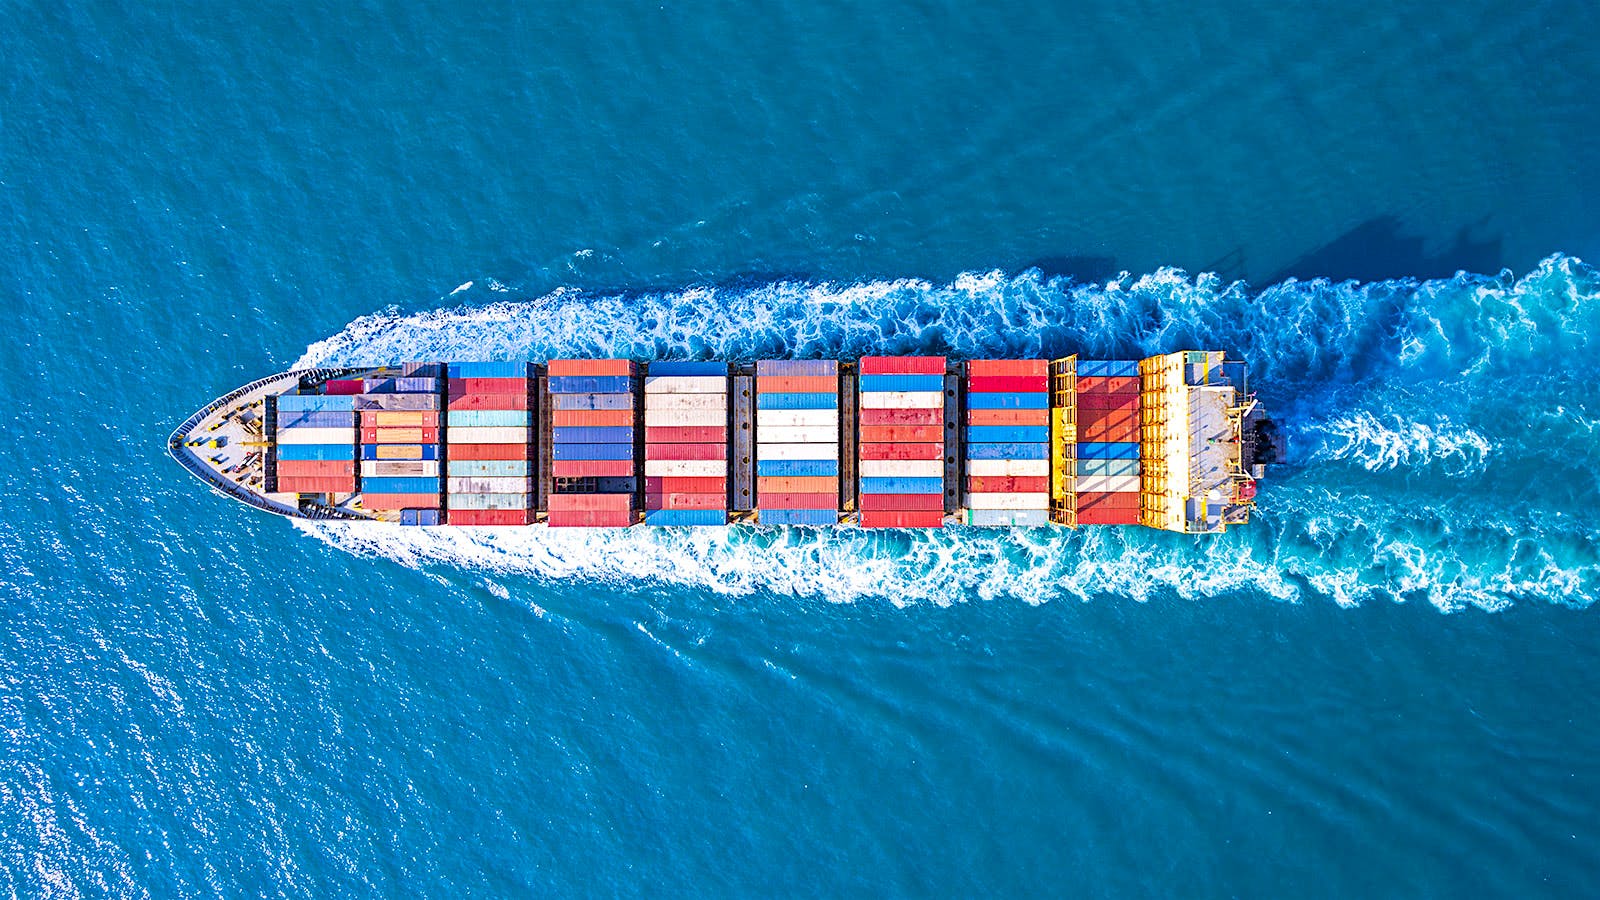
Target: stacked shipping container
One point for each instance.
(489, 444)
(593, 433)
(400, 444)
(1008, 442)
(316, 444)
(797, 442)
(686, 443)
(1108, 443)
(901, 456)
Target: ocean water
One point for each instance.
(1382, 686)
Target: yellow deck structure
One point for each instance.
(1192, 410)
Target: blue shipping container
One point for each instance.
(517, 369)
(677, 367)
(400, 485)
(797, 401)
(1008, 451)
(489, 418)
(316, 419)
(797, 467)
(1104, 450)
(902, 485)
(370, 451)
(1108, 368)
(987, 400)
(590, 384)
(591, 401)
(317, 452)
(777, 367)
(680, 517)
(344, 402)
(871, 384)
(591, 451)
(1008, 434)
(799, 517)
(419, 517)
(592, 434)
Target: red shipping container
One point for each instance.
(797, 484)
(294, 468)
(686, 451)
(924, 502)
(901, 451)
(1108, 515)
(1008, 367)
(399, 434)
(400, 501)
(317, 484)
(1108, 401)
(339, 387)
(902, 417)
(518, 400)
(1108, 500)
(591, 418)
(901, 518)
(686, 501)
(686, 434)
(797, 384)
(799, 501)
(488, 451)
(1105, 417)
(562, 367)
(697, 484)
(580, 518)
(490, 517)
(910, 433)
(1008, 484)
(1108, 384)
(590, 502)
(1013, 417)
(591, 468)
(462, 386)
(1008, 384)
(1109, 433)
(902, 365)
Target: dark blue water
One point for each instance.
(1384, 685)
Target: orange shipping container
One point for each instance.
(797, 484)
(488, 451)
(591, 418)
(403, 418)
(797, 384)
(983, 367)
(291, 468)
(399, 435)
(560, 367)
(894, 433)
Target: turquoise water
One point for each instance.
(1382, 686)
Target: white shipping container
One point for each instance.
(400, 468)
(686, 384)
(671, 418)
(1039, 500)
(1111, 484)
(465, 485)
(489, 435)
(797, 434)
(488, 501)
(717, 402)
(1021, 467)
(785, 418)
(901, 468)
(1008, 517)
(797, 451)
(316, 435)
(902, 400)
(685, 468)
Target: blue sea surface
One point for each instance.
(1384, 685)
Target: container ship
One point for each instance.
(1174, 442)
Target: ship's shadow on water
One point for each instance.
(1380, 249)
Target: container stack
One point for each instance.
(797, 442)
(1108, 443)
(1008, 442)
(316, 444)
(592, 443)
(902, 441)
(686, 443)
(489, 444)
(400, 445)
